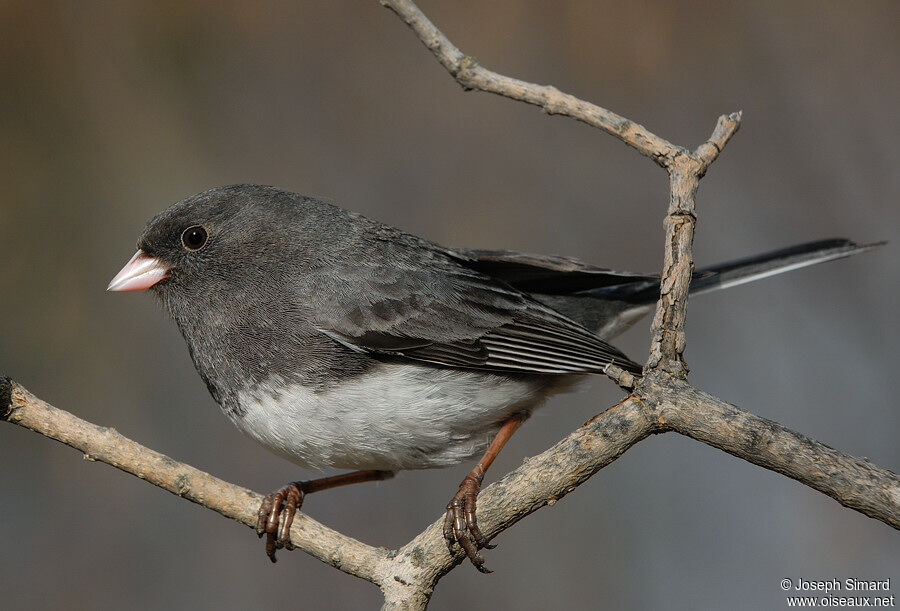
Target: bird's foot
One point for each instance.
(270, 521)
(461, 525)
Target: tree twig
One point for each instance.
(667, 339)
(853, 482)
(405, 575)
(541, 480)
(470, 75)
(104, 444)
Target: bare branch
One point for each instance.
(406, 575)
(104, 444)
(470, 75)
(540, 481)
(667, 330)
(853, 482)
(726, 127)
(667, 339)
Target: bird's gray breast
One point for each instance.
(395, 416)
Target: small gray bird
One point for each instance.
(337, 341)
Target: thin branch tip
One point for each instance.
(726, 127)
(472, 76)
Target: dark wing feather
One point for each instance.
(545, 274)
(446, 314)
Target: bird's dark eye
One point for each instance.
(194, 237)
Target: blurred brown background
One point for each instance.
(110, 111)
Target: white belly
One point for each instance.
(399, 416)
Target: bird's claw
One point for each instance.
(461, 525)
(275, 526)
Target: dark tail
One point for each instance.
(610, 310)
(740, 271)
(761, 266)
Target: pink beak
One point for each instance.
(141, 272)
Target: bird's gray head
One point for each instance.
(231, 238)
(234, 266)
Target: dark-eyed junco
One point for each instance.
(337, 341)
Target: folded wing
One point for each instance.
(448, 314)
